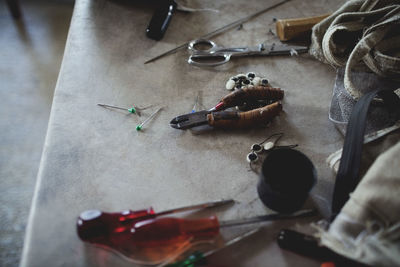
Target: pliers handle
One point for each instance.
(249, 95)
(234, 119)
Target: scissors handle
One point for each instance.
(206, 53)
(202, 46)
(208, 60)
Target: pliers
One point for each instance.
(217, 118)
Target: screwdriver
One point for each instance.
(200, 258)
(95, 226)
(133, 110)
(171, 231)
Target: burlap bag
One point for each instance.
(364, 36)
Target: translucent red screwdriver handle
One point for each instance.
(169, 231)
(142, 237)
(99, 227)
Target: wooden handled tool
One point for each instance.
(290, 28)
(252, 94)
(235, 119)
(215, 117)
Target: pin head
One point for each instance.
(132, 110)
(138, 128)
(256, 148)
(252, 157)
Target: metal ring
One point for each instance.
(193, 43)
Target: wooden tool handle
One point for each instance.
(253, 118)
(252, 94)
(290, 28)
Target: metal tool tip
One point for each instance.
(173, 125)
(223, 202)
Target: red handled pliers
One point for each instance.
(215, 117)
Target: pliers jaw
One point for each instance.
(190, 120)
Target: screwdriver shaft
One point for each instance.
(198, 206)
(270, 217)
(231, 242)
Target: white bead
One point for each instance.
(230, 85)
(268, 145)
(256, 81)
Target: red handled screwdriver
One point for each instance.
(172, 231)
(160, 239)
(95, 226)
(148, 239)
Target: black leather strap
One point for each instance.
(347, 176)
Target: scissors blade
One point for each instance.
(283, 49)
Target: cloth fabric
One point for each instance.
(361, 34)
(361, 39)
(368, 227)
(342, 102)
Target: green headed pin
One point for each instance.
(140, 126)
(133, 110)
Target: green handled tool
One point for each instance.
(199, 258)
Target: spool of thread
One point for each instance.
(286, 178)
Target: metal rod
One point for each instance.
(140, 126)
(198, 206)
(195, 102)
(269, 217)
(111, 106)
(219, 30)
(231, 242)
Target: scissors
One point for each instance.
(205, 52)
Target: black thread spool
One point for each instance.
(286, 178)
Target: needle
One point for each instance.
(140, 126)
(133, 110)
(195, 103)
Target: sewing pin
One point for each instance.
(133, 110)
(195, 103)
(140, 126)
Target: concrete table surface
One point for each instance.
(94, 159)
